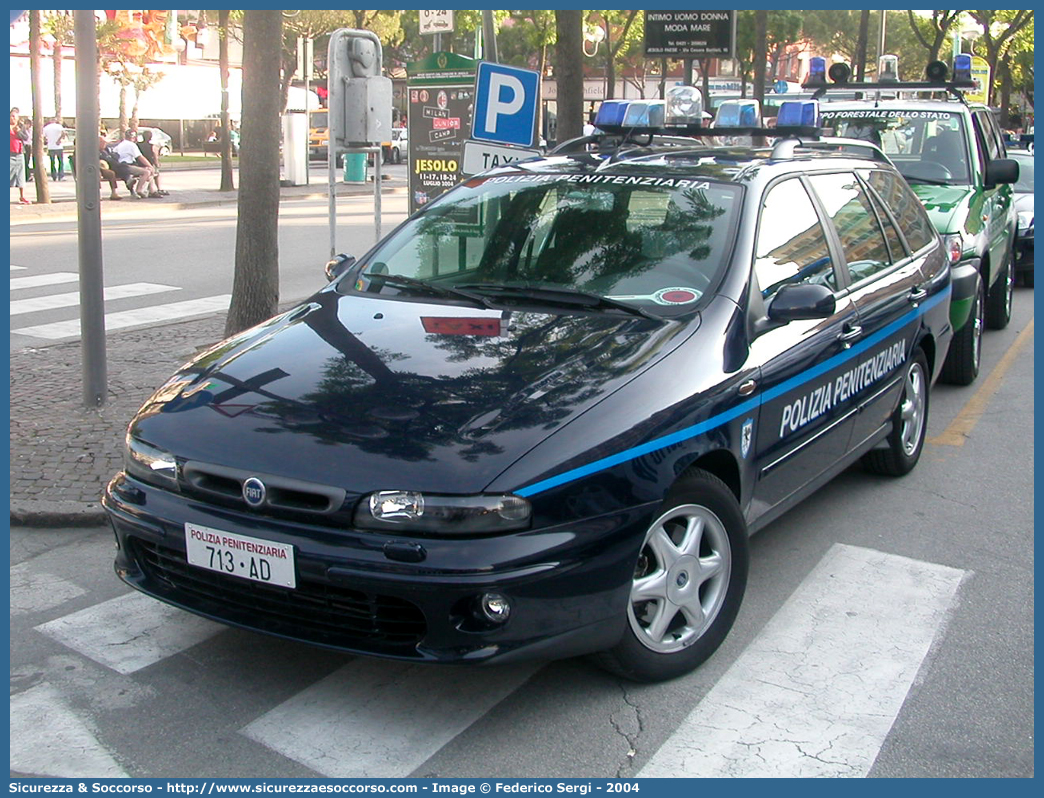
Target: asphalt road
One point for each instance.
(105, 682)
(164, 262)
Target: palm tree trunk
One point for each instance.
(43, 190)
(568, 74)
(226, 128)
(255, 286)
(57, 58)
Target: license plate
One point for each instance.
(239, 555)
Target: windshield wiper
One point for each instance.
(926, 180)
(559, 296)
(435, 289)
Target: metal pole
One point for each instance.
(377, 195)
(489, 36)
(88, 209)
(881, 43)
(331, 160)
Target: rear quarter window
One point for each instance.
(904, 205)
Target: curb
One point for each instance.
(66, 208)
(56, 514)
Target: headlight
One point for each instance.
(953, 245)
(150, 464)
(1025, 221)
(410, 511)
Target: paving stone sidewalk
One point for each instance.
(62, 453)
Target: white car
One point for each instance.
(396, 150)
(160, 140)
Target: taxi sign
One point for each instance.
(505, 104)
(480, 156)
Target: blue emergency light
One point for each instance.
(611, 113)
(738, 113)
(817, 71)
(962, 64)
(644, 114)
(798, 113)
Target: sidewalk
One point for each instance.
(191, 185)
(63, 454)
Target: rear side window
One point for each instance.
(848, 206)
(792, 247)
(904, 205)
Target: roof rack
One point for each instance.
(614, 139)
(951, 87)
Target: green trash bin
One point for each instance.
(355, 167)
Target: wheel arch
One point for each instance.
(722, 464)
(928, 344)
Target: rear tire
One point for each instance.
(909, 423)
(688, 583)
(961, 366)
(998, 303)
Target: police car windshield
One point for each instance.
(926, 146)
(657, 242)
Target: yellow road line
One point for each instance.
(960, 428)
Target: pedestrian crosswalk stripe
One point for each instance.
(373, 719)
(35, 592)
(38, 280)
(130, 632)
(49, 739)
(132, 318)
(54, 301)
(17, 268)
(817, 691)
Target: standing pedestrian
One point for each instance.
(27, 145)
(54, 136)
(17, 158)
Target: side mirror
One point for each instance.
(1001, 170)
(338, 265)
(801, 301)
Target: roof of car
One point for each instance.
(732, 163)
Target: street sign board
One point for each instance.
(690, 34)
(436, 21)
(440, 91)
(980, 72)
(480, 156)
(505, 104)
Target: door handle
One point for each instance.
(918, 295)
(747, 388)
(850, 333)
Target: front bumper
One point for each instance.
(568, 585)
(965, 280)
(1024, 252)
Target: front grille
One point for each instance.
(312, 612)
(284, 496)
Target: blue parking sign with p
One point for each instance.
(505, 104)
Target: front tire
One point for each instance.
(961, 366)
(688, 583)
(998, 303)
(909, 423)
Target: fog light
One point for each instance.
(494, 607)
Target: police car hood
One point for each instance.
(370, 393)
(947, 206)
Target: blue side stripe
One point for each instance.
(744, 407)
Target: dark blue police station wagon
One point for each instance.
(543, 416)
